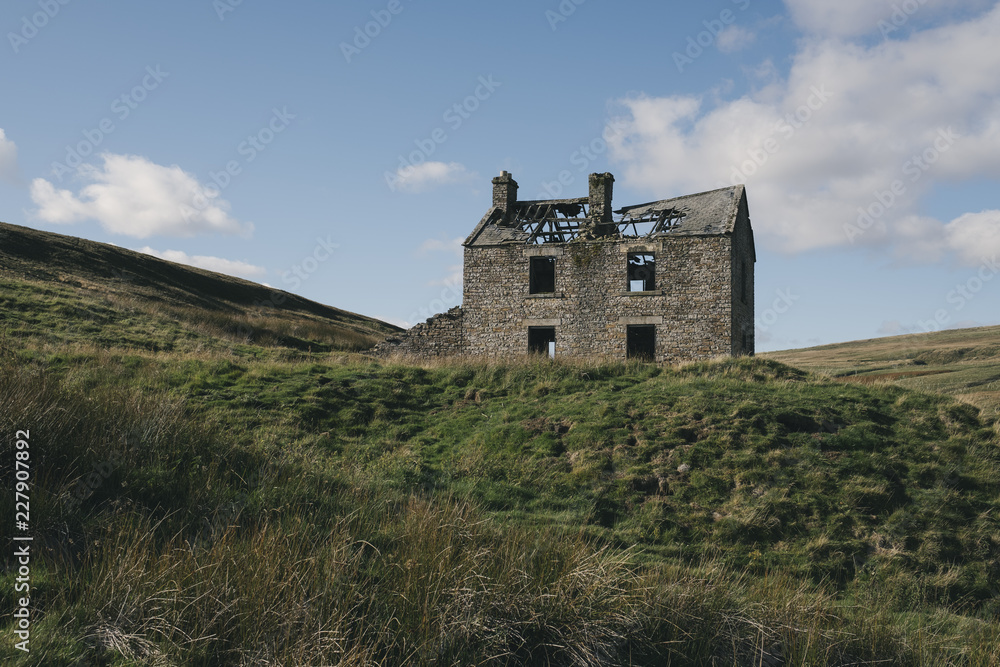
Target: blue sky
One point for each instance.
(342, 150)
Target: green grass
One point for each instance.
(524, 513)
(206, 498)
(964, 363)
(61, 291)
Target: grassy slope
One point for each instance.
(97, 293)
(518, 513)
(964, 363)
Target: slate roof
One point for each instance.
(711, 213)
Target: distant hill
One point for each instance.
(964, 363)
(64, 289)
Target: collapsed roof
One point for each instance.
(512, 222)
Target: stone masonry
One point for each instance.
(440, 336)
(556, 272)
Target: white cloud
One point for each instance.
(8, 159)
(843, 18)
(974, 236)
(453, 247)
(424, 176)
(833, 137)
(218, 264)
(133, 196)
(437, 245)
(735, 38)
(883, 18)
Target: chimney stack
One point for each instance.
(601, 187)
(505, 194)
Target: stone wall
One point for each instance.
(591, 307)
(440, 336)
(742, 269)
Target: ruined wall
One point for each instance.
(591, 307)
(440, 336)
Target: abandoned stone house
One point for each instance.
(668, 281)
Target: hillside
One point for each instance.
(217, 500)
(964, 363)
(96, 293)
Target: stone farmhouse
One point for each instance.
(668, 281)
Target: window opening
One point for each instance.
(542, 275)
(542, 340)
(641, 342)
(641, 272)
(743, 281)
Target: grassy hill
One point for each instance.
(964, 363)
(100, 294)
(205, 498)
